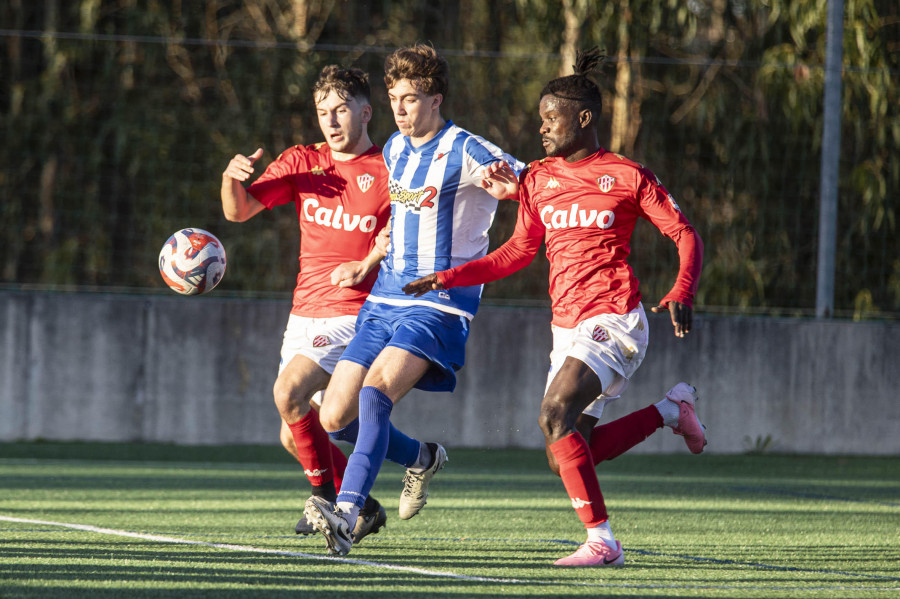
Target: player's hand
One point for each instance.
(499, 180)
(682, 316)
(383, 239)
(241, 167)
(420, 287)
(348, 274)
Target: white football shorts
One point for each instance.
(612, 345)
(322, 340)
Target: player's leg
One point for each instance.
(571, 390)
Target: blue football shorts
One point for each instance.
(429, 333)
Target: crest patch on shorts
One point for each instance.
(321, 341)
(599, 334)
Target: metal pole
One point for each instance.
(831, 147)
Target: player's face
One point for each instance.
(342, 121)
(415, 112)
(559, 126)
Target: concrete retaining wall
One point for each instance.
(200, 370)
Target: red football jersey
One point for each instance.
(586, 211)
(342, 205)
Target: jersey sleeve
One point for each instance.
(659, 208)
(275, 186)
(479, 153)
(517, 253)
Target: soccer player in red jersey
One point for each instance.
(340, 191)
(584, 202)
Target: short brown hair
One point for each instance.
(347, 83)
(422, 66)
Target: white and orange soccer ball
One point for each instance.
(192, 261)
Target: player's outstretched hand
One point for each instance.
(349, 274)
(241, 167)
(420, 287)
(682, 316)
(500, 181)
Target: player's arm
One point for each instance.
(237, 204)
(661, 210)
(353, 273)
(517, 253)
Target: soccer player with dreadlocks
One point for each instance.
(583, 202)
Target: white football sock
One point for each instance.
(349, 511)
(602, 532)
(669, 411)
(424, 461)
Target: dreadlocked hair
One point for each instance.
(579, 88)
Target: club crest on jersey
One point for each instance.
(321, 341)
(552, 184)
(365, 182)
(605, 183)
(599, 334)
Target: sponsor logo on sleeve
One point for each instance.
(672, 201)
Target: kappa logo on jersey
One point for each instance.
(599, 334)
(337, 218)
(606, 183)
(574, 217)
(321, 341)
(412, 200)
(579, 503)
(552, 184)
(365, 182)
(317, 170)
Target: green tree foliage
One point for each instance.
(120, 115)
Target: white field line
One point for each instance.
(411, 570)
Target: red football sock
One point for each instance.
(339, 460)
(576, 469)
(314, 449)
(615, 438)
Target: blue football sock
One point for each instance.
(371, 446)
(348, 433)
(401, 449)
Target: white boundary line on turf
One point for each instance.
(247, 548)
(421, 571)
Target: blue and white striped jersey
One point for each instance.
(440, 215)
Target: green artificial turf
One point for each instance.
(218, 521)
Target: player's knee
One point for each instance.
(552, 419)
(289, 400)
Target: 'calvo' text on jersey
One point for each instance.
(337, 218)
(573, 217)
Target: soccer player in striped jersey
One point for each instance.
(584, 203)
(340, 192)
(441, 209)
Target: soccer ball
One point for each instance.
(192, 261)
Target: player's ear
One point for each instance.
(366, 113)
(436, 101)
(585, 118)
